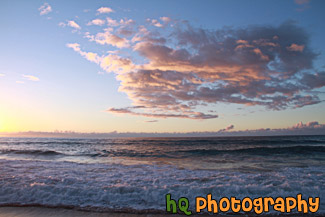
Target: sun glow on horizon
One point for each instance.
(5, 125)
(154, 69)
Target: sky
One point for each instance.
(162, 66)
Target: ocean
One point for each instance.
(135, 174)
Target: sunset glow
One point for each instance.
(144, 67)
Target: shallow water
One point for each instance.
(137, 173)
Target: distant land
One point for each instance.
(310, 128)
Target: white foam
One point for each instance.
(144, 186)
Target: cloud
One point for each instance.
(110, 39)
(296, 47)
(31, 78)
(111, 22)
(151, 121)
(316, 80)
(125, 31)
(303, 5)
(175, 71)
(74, 46)
(116, 64)
(2, 75)
(228, 128)
(187, 115)
(165, 19)
(20, 82)
(301, 125)
(62, 24)
(155, 22)
(73, 24)
(256, 74)
(302, 2)
(92, 57)
(96, 22)
(310, 128)
(127, 22)
(104, 10)
(110, 62)
(45, 9)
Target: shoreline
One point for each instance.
(41, 211)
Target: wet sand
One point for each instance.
(61, 212)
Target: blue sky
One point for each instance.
(47, 84)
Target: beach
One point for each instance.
(59, 212)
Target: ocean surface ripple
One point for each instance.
(138, 173)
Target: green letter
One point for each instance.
(185, 206)
(170, 202)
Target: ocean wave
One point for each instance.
(30, 152)
(261, 150)
(188, 152)
(88, 208)
(143, 187)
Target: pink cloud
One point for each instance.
(296, 47)
(151, 121)
(31, 77)
(166, 19)
(73, 24)
(268, 66)
(228, 128)
(45, 9)
(191, 115)
(92, 57)
(301, 125)
(301, 2)
(310, 128)
(108, 38)
(127, 22)
(110, 62)
(97, 22)
(155, 22)
(111, 22)
(104, 10)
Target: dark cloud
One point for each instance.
(151, 121)
(189, 115)
(230, 127)
(251, 66)
(269, 66)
